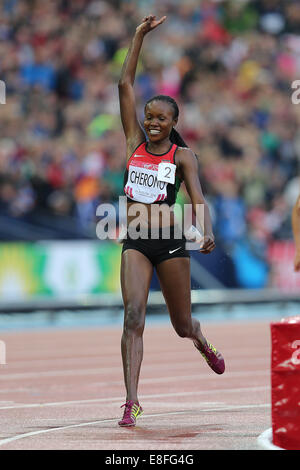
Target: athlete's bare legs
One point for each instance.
(174, 276)
(136, 275)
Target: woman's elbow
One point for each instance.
(124, 83)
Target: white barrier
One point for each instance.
(265, 440)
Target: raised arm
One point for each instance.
(132, 129)
(188, 165)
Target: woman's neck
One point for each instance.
(159, 147)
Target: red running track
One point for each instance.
(62, 389)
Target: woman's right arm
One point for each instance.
(132, 129)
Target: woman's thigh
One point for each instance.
(175, 280)
(136, 275)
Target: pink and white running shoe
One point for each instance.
(132, 411)
(213, 357)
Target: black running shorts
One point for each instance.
(160, 246)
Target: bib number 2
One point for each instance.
(166, 172)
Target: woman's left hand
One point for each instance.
(208, 245)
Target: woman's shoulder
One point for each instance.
(185, 152)
(186, 159)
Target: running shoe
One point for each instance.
(213, 357)
(132, 411)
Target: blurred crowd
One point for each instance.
(229, 64)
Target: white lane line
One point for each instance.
(105, 370)
(265, 440)
(194, 377)
(167, 379)
(35, 433)
(142, 397)
(234, 356)
(92, 423)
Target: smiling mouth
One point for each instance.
(154, 131)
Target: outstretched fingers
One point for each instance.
(163, 18)
(149, 22)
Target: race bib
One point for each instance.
(166, 172)
(143, 184)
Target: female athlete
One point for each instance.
(155, 168)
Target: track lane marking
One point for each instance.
(104, 370)
(92, 423)
(142, 397)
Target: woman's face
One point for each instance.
(158, 120)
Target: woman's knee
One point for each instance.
(134, 320)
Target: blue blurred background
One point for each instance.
(230, 66)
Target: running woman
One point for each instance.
(155, 168)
